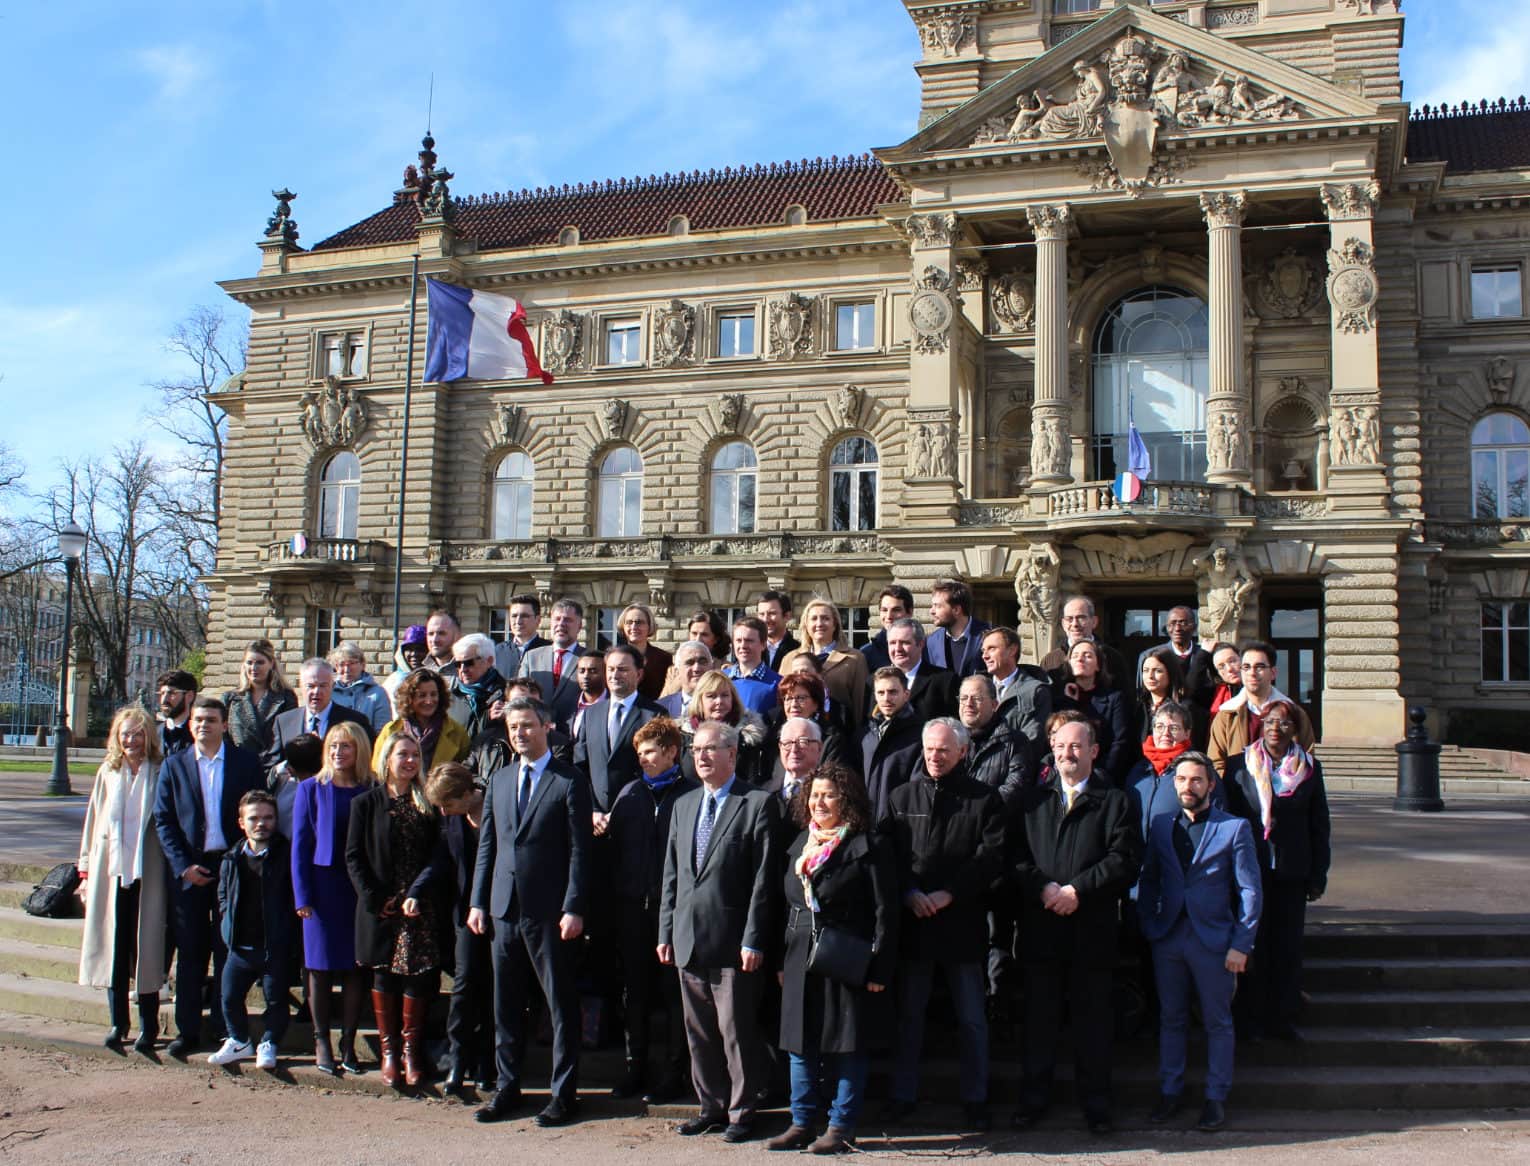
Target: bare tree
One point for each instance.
(18, 549)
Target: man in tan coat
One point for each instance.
(1237, 721)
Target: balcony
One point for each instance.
(676, 549)
(303, 555)
(1092, 502)
(1479, 532)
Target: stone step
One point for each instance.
(1379, 942)
(13, 892)
(43, 961)
(1412, 1009)
(1336, 1047)
(1386, 783)
(17, 924)
(30, 873)
(1331, 974)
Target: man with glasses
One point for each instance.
(1239, 720)
(801, 745)
(524, 620)
(1194, 660)
(176, 690)
(317, 710)
(1079, 621)
(477, 686)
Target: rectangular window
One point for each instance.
(863, 626)
(1496, 292)
(325, 622)
(498, 625)
(607, 634)
(855, 326)
(624, 340)
(1073, 7)
(735, 333)
(343, 354)
(1506, 643)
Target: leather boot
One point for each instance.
(148, 1023)
(386, 1007)
(415, 1008)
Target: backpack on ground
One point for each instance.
(53, 898)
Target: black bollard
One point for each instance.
(1418, 769)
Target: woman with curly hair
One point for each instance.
(423, 699)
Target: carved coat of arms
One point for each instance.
(562, 350)
(791, 327)
(675, 334)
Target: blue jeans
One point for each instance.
(241, 970)
(813, 1072)
(966, 982)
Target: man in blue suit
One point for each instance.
(1199, 863)
(957, 641)
(196, 815)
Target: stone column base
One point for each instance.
(927, 504)
(1363, 717)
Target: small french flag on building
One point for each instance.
(474, 335)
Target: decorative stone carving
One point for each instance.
(507, 424)
(1012, 299)
(848, 402)
(1289, 287)
(281, 225)
(791, 327)
(1291, 386)
(970, 274)
(334, 415)
(1049, 220)
(1162, 171)
(935, 230)
(1359, 7)
(614, 415)
(947, 33)
(1226, 441)
(931, 454)
(562, 346)
(675, 334)
(1500, 378)
(1223, 208)
(1356, 435)
(1050, 448)
(659, 601)
(1272, 507)
(932, 310)
(1345, 201)
(276, 608)
(438, 203)
(730, 411)
(1036, 585)
(1352, 286)
(1241, 16)
(1121, 554)
(1229, 582)
(991, 514)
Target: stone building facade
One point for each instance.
(1217, 221)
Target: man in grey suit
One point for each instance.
(716, 919)
(316, 712)
(1024, 691)
(552, 665)
(523, 617)
(529, 896)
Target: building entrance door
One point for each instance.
(1293, 624)
(1135, 623)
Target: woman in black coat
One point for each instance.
(1085, 685)
(392, 839)
(802, 695)
(1278, 786)
(838, 875)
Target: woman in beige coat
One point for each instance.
(844, 672)
(123, 880)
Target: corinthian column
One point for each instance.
(1051, 445)
(1228, 409)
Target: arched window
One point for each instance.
(339, 494)
(733, 487)
(853, 485)
(1152, 366)
(511, 507)
(1501, 467)
(620, 497)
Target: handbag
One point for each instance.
(53, 898)
(840, 955)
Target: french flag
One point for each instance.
(475, 335)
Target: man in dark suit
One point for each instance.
(1076, 850)
(1194, 660)
(1199, 863)
(774, 609)
(957, 641)
(931, 689)
(890, 742)
(717, 918)
(1079, 621)
(894, 602)
(523, 618)
(315, 713)
(1024, 690)
(552, 665)
(603, 749)
(196, 815)
(529, 897)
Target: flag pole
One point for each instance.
(403, 457)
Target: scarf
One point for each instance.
(481, 693)
(1161, 759)
(657, 785)
(1295, 768)
(820, 845)
(427, 733)
(1224, 694)
(1241, 699)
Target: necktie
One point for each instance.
(1069, 794)
(524, 794)
(557, 665)
(313, 722)
(789, 790)
(704, 827)
(616, 722)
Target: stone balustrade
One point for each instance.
(666, 548)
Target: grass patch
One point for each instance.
(45, 768)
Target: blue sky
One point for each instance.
(144, 139)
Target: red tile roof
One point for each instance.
(1485, 136)
(757, 196)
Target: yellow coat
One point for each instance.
(452, 745)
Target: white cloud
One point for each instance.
(179, 71)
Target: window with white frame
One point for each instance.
(511, 505)
(327, 631)
(624, 340)
(735, 332)
(734, 470)
(497, 625)
(855, 325)
(1505, 643)
(339, 495)
(861, 625)
(1073, 7)
(608, 633)
(1501, 467)
(620, 494)
(343, 354)
(853, 485)
(1497, 291)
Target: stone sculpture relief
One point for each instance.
(1500, 378)
(932, 310)
(1289, 287)
(1356, 435)
(730, 411)
(507, 424)
(438, 203)
(281, 225)
(848, 401)
(1036, 585)
(1121, 554)
(614, 414)
(936, 230)
(334, 415)
(1012, 299)
(947, 33)
(1226, 441)
(562, 348)
(1344, 201)
(930, 451)
(1229, 583)
(791, 327)
(970, 274)
(1352, 286)
(1050, 448)
(675, 335)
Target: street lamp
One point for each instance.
(71, 545)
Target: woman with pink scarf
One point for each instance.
(1278, 786)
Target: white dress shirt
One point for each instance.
(210, 770)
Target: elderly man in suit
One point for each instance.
(957, 641)
(529, 896)
(931, 688)
(552, 665)
(717, 919)
(1199, 863)
(196, 815)
(523, 618)
(317, 710)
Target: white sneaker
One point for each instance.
(265, 1055)
(232, 1051)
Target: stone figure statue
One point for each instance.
(1229, 583)
(919, 456)
(1079, 118)
(312, 425)
(352, 418)
(1370, 434)
(1036, 585)
(941, 462)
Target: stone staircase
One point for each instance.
(1399, 1016)
(1373, 769)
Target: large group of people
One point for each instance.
(749, 856)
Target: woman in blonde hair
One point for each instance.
(844, 672)
(261, 695)
(322, 890)
(399, 934)
(124, 873)
(715, 699)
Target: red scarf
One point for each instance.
(1163, 758)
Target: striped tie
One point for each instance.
(704, 827)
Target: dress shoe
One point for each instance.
(144, 1045)
(349, 1061)
(181, 1048)
(324, 1057)
(500, 1106)
(975, 1117)
(895, 1111)
(1164, 1111)
(558, 1112)
(631, 1083)
(1026, 1117)
(455, 1078)
(1099, 1123)
(833, 1141)
(113, 1040)
(794, 1138)
(739, 1131)
(1213, 1117)
(705, 1123)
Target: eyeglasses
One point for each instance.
(1169, 729)
(805, 743)
(1255, 667)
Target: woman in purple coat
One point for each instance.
(322, 890)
